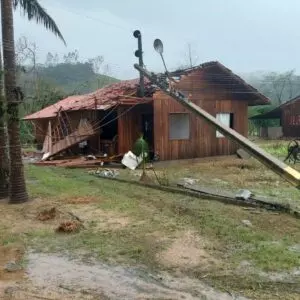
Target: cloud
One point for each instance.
(244, 35)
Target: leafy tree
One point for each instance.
(278, 86)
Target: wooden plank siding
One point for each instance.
(291, 120)
(203, 141)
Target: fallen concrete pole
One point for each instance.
(226, 199)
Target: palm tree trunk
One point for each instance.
(17, 187)
(4, 161)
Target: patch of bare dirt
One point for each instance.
(103, 219)
(80, 200)
(187, 251)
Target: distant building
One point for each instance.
(288, 115)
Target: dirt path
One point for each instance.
(57, 277)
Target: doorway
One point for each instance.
(148, 130)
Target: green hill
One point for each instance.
(76, 78)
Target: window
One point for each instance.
(226, 119)
(179, 126)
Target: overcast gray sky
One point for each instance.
(245, 35)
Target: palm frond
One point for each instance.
(35, 11)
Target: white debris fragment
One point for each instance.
(131, 161)
(107, 173)
(247, 223)
(243, 195)
(189, 181)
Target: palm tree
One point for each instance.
(4, 161)
(33, 10)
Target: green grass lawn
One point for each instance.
(130, 224)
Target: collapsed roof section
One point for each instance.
(123, 92)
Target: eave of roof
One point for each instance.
(276, 113)
(272, 114)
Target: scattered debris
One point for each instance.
(295, 248)
(69, 227)
(31, 156)
(189, 181)
(12, 266)
(247, 223)
(243, 154)
(243, 195)
(81, 162)
(90, 157)
(45, 156)
(105, 173)
(47, 214)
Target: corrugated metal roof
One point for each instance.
(101, 99)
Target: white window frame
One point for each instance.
(224, 118)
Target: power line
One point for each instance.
(59, 7)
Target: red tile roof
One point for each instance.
(101, 99)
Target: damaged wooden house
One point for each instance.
(111, 119)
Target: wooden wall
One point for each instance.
(203, 141)
(130, 125)
(291, 120)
